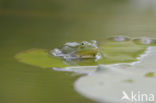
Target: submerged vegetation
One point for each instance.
(129, 81)
(150, 74)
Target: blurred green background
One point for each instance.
(26, 24)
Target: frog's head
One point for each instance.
(87, 49)
(77, 50)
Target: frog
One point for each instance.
(77, 50)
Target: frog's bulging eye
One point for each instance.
(82, 43)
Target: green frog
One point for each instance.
(75, 50)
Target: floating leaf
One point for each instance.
(40, 58)
(120, 52)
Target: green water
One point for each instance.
(26, 24)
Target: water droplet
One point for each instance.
(146, 40)
(119, 38)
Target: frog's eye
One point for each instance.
(82, 44)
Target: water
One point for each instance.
(49, 24)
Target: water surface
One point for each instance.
(49, 24)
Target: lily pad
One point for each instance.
(40, 58)
(120, 52)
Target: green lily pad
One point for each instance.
(40, 58)
(120, 52)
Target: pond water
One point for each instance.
(49, 24)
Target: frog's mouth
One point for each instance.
(87, 54)
(82, 54)
(84, 57)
